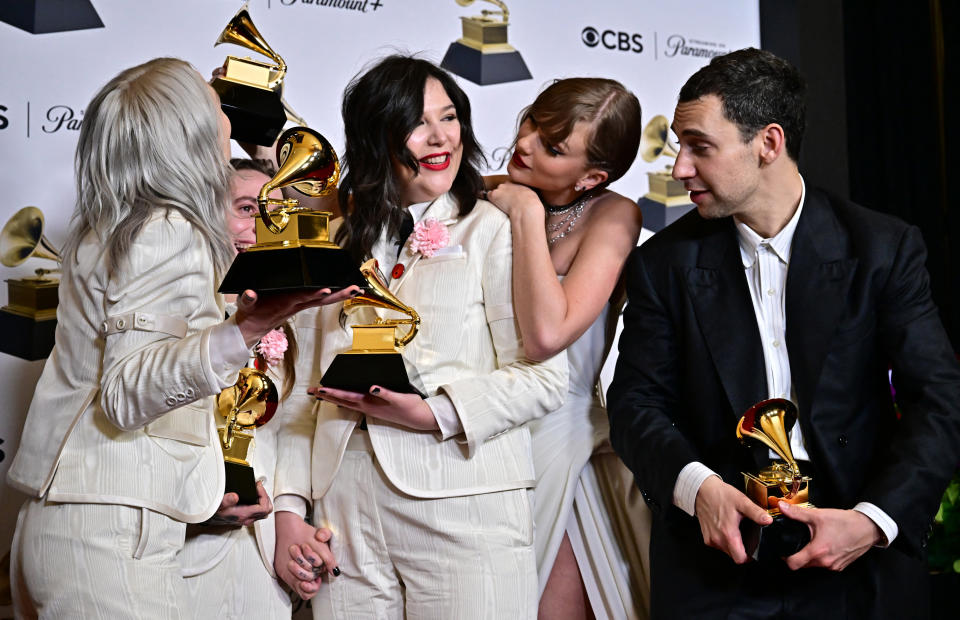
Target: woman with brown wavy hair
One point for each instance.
(571, 238)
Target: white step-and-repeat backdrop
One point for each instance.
(48, 77)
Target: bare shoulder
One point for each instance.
(613, 209)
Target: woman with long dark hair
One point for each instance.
(571, 238)
(428, 498)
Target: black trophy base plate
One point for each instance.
(356, 372)
(43, 16)
(240, 480)
(26, 338)
(780, 539)
(289, 269)
(256, 115)
(482, 68)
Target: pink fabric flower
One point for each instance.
(272, 346)
(428, 236)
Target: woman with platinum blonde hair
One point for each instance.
(119, 450)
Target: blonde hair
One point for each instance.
(149, 140)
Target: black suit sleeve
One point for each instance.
(644, 392)
(924, 452)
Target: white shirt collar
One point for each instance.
(417, 210)
(781, 243)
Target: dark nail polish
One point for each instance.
(336, 571)
(375, 390)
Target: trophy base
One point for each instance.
(356, 372)
(780, 539)
(292, 269)
(483, 69)
(240, 480)
(43, 16)
(26, 337)
(256, 115)
(657, 214)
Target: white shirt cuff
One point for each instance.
(289, 502)
(446, 414)
(228, 352)
(887, 525)
(688, 484)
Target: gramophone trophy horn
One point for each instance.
(665, 191)
(22, 237)
(251, 91)
(482, 55)
(248, 404)
(654, 141)
(769, 422)
(376, 357)
(293, 248)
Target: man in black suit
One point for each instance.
(771, 289)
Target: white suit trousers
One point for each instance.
(403, 557)
(90, 561)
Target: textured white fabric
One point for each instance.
(573, 497)
(126, 419)
(482, 566)
(91, 561)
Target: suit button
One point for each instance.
(171, 401)
(181, 396)
(842, 440)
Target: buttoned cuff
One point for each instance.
(887, 525)
(228, 352)
(289, 502)
(688, 485)
(446, 415)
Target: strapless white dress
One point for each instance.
(585, 491)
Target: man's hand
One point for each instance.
(301, 555)
(231, 512)
(720, 508)
(837, 537)
(404, 409)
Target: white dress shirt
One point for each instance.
(765, 263)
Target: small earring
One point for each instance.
(578, 188)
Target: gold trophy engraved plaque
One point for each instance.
(769, 423)
(293, 249)
(482, 55)
(251, 91)
(376, 357)
(29, 320)
(248, 404)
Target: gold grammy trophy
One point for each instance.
(29, 319)
(251, 91)
(293, 249)
(248, 404)
(768, 423)
(376, 357)
(482, 55)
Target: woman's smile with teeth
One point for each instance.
(435, 161)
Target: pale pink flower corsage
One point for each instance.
(429, 235)
(272, 346)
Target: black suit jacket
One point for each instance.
(691, 363)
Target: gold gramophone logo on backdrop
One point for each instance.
(29, 319)
(655, 143)
(293, 249)
(376, 357)
(251, 91)
(483, 55)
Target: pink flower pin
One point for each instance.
(429, 235)
(272, 346)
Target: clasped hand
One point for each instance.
(404, 409)
(837, 537)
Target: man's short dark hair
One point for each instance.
(263, 166)
(756, 88)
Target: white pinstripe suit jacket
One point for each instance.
(126, 418)
(468, 347)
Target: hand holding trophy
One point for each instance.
(769, 422)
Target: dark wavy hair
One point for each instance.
(757, 88)
(381, 108)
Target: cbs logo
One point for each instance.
(612, 39)
(4, 121)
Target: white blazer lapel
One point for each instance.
(443, 209)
